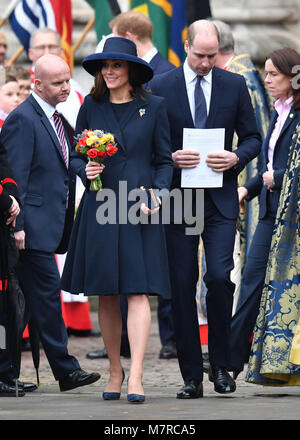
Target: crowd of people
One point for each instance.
(146, 103)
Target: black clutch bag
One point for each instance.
(153, 200)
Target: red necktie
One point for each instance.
(61, 136)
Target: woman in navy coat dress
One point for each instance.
(281, 81)
(115, 256)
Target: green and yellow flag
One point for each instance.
(169, 25)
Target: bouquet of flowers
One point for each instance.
(96, 145)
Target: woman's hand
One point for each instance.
(93, 169)
(148, 211)
(268, 178)
(242, 194)
(20, 240)
(14, 211)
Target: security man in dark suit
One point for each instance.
(202, 96)
(38, 152)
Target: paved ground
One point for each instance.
(161, 381)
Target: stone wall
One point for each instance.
(261, 26)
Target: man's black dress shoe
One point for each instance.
(97, 354)
(168, 351)
(77, 379)
(102, 354)
(222, 380)
(28, 387)
(192, 389)
(84, 333)
(10, 390)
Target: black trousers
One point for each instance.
(218, 239)
(40, 281)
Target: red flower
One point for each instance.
(111, 149)
(102, 154)
(92, 153)
(82, 141)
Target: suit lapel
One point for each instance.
(181, 94)
(45, 121)
(273, 120)
(216, 92)
(290, 118)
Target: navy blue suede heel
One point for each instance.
(106, 395)
(135, 398)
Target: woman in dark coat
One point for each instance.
(115, 255)
(276, 228)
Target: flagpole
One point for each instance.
(15, 56)
(8, 11)
(87, 28)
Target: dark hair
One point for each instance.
(99, 88)
(285, 60)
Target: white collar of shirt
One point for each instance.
(46, 107)
(190, 80)
(149, 55)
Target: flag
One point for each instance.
(169, 26)
(178, 33)
(30, 15)
(105, 10)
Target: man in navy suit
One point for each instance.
(226, 103)
(38, 152)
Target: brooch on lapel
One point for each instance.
(142, 112)
(291, 115)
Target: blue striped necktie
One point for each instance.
(200, 105)
(61, 136)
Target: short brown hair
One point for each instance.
(285, 60)
(135, 22)
(17, 71)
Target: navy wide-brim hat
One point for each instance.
(117, 48)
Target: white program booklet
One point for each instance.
(205, 141)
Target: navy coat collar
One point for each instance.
(112, 124)
(294, 113)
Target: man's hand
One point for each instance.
(186, 159)
(14, 211)
(268, 178)
(20, 240)
(222, 161)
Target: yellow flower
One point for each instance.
(91, 140)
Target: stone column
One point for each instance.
(261, 26)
